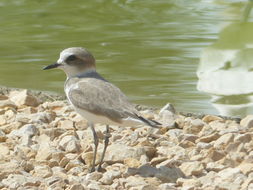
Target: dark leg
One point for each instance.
(95, 137)
(107, 136)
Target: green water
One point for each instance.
(150, 49)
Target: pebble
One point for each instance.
(47, 145)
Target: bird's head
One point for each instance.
(73, 61)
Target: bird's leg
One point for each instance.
(95, 137)
(107, 135)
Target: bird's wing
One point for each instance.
(101, 98)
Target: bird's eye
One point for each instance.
(71, 58)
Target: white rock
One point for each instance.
(213, 166)
(7, 103)
(70, 143)
(42, 117)
(247, 121)
(43, 171)
(167, 186)
(94, 185)
(28, 129)
(192, 168)
(44, 152)
(93, 176)
(66, 124)
(3, 136)
(168, 107)
(202, 145)
(16, 180)
(23, 98)
(4, 151)
(134, 181)
(109, 176)
(229, 173)
(224, 140)
(119, 152)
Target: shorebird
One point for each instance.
(94, 98)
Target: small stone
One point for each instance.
(215, 155)
(4, 150)
(157, 160)
(73, 163)
(167, 118)
(23, 98)
(70, 144)
(93, 176)
(202, 145)
(27, 166)
(94, 186)
(28, 110)
(186, 144)
(167, 186)
(10, 114)
(109, 176)
(88, 158)
(119, 152)
(81, 124)
(14, 181)
(229, 173)
(8, 128)
(66, 124)
(7, 104)
(76, 187)
(213, 166)
(3, 121)
(224, 140)
(246, 168)
(44, 152)
(232, 147)
(28, 129)
(192, 168)
(209, 138)
(43, 171)
(42, 117)
(55, 183)
(2, 136)
(175, 133)
(26, 140)
(210, 118)
(247, 122)
(246, 184)
(188, 137)
(243, 138)
(197, 125)
(168, 107)
(3, 97)
(191, 183)
(134, 181)
(131, 162)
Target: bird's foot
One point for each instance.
(100, 169)
(92, 170)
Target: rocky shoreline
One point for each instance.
(44, 144)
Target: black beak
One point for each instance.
(54, 65)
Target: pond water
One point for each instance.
(195, 54)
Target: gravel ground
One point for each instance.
(44, 144)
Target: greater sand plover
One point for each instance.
(94, 98)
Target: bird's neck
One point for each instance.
(75, 73)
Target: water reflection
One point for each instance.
(226, 69)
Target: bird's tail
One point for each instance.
(150, 122)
